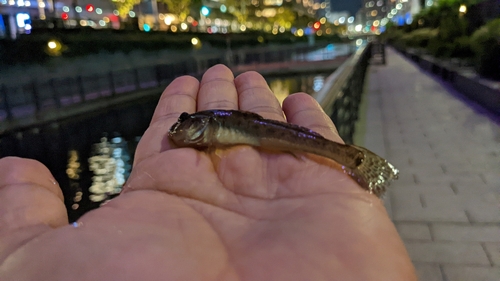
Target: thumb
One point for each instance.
(29, 196)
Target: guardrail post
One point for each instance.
(112, 83)
(136, 79)
(6, 104)
(55, 94)
(81, 89)
(36, 97)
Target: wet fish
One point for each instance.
(222, 128)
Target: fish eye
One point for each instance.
(184, 116)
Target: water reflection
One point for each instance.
(284, 86)
(110, 164)
(99, 162)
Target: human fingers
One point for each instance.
(254, 95)
(217, 90)
(180, 96)
(29, 195)
(303, 110)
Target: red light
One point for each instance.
(373, 28)
(64, 16)
(209, 30)
(317, 25)
(89, 8)
(195, 23)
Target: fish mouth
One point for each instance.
(174, 128)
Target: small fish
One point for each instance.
(223, 128)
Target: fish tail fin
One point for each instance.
(375, 174)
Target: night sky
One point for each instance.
(352, 6)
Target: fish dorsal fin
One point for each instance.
(294, 127)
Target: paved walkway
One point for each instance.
(446, 204)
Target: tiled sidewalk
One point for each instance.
(446, 204)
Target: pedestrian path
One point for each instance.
(446, 204)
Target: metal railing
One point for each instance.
(32, 99)
(341, 94)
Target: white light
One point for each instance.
(399, 6)
(78, 9)
(243, 28)
(359, 42)
(350, 20)
(358, 27)
(27, 3)
(21, 18)
(184, 26)
(52, 44)
(102, 23)
(65, 9)
(20, 3)
(27, 26)
(341, 20)
(98, 11)
(131, 14)
(3, 2)
(195, 41)
(116, 13)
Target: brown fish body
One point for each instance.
(221, 128)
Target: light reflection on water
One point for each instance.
(283, 87)
(110, 159)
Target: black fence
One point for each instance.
(341, 94)
(32, 99)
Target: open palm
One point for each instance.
(231, 214)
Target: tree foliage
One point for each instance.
(181, 8)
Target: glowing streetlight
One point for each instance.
(462, 9)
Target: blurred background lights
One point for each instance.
(184, 26)
(98, 11)
(205, 11)
(65, 9)
(350, 20)
(116, 13)
(195, 41)
(78, 9)
(223, 8)
(52, 44)
(131, 14)
(146, 27)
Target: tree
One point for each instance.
(181, 8)
(124, 6)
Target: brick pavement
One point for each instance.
(446, 204)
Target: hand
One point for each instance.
(233, 214)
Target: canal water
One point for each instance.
(91, 156)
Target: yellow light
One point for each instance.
(462, 9)
(322, 20)
(300, 32)
(52, 44)
(106, 19)
(173, 28)
(243, 28)
(260, 39)
(328, 30)
(376, 23)
(374, 13)
(195, 41)
(184, 26)
(319, 32)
